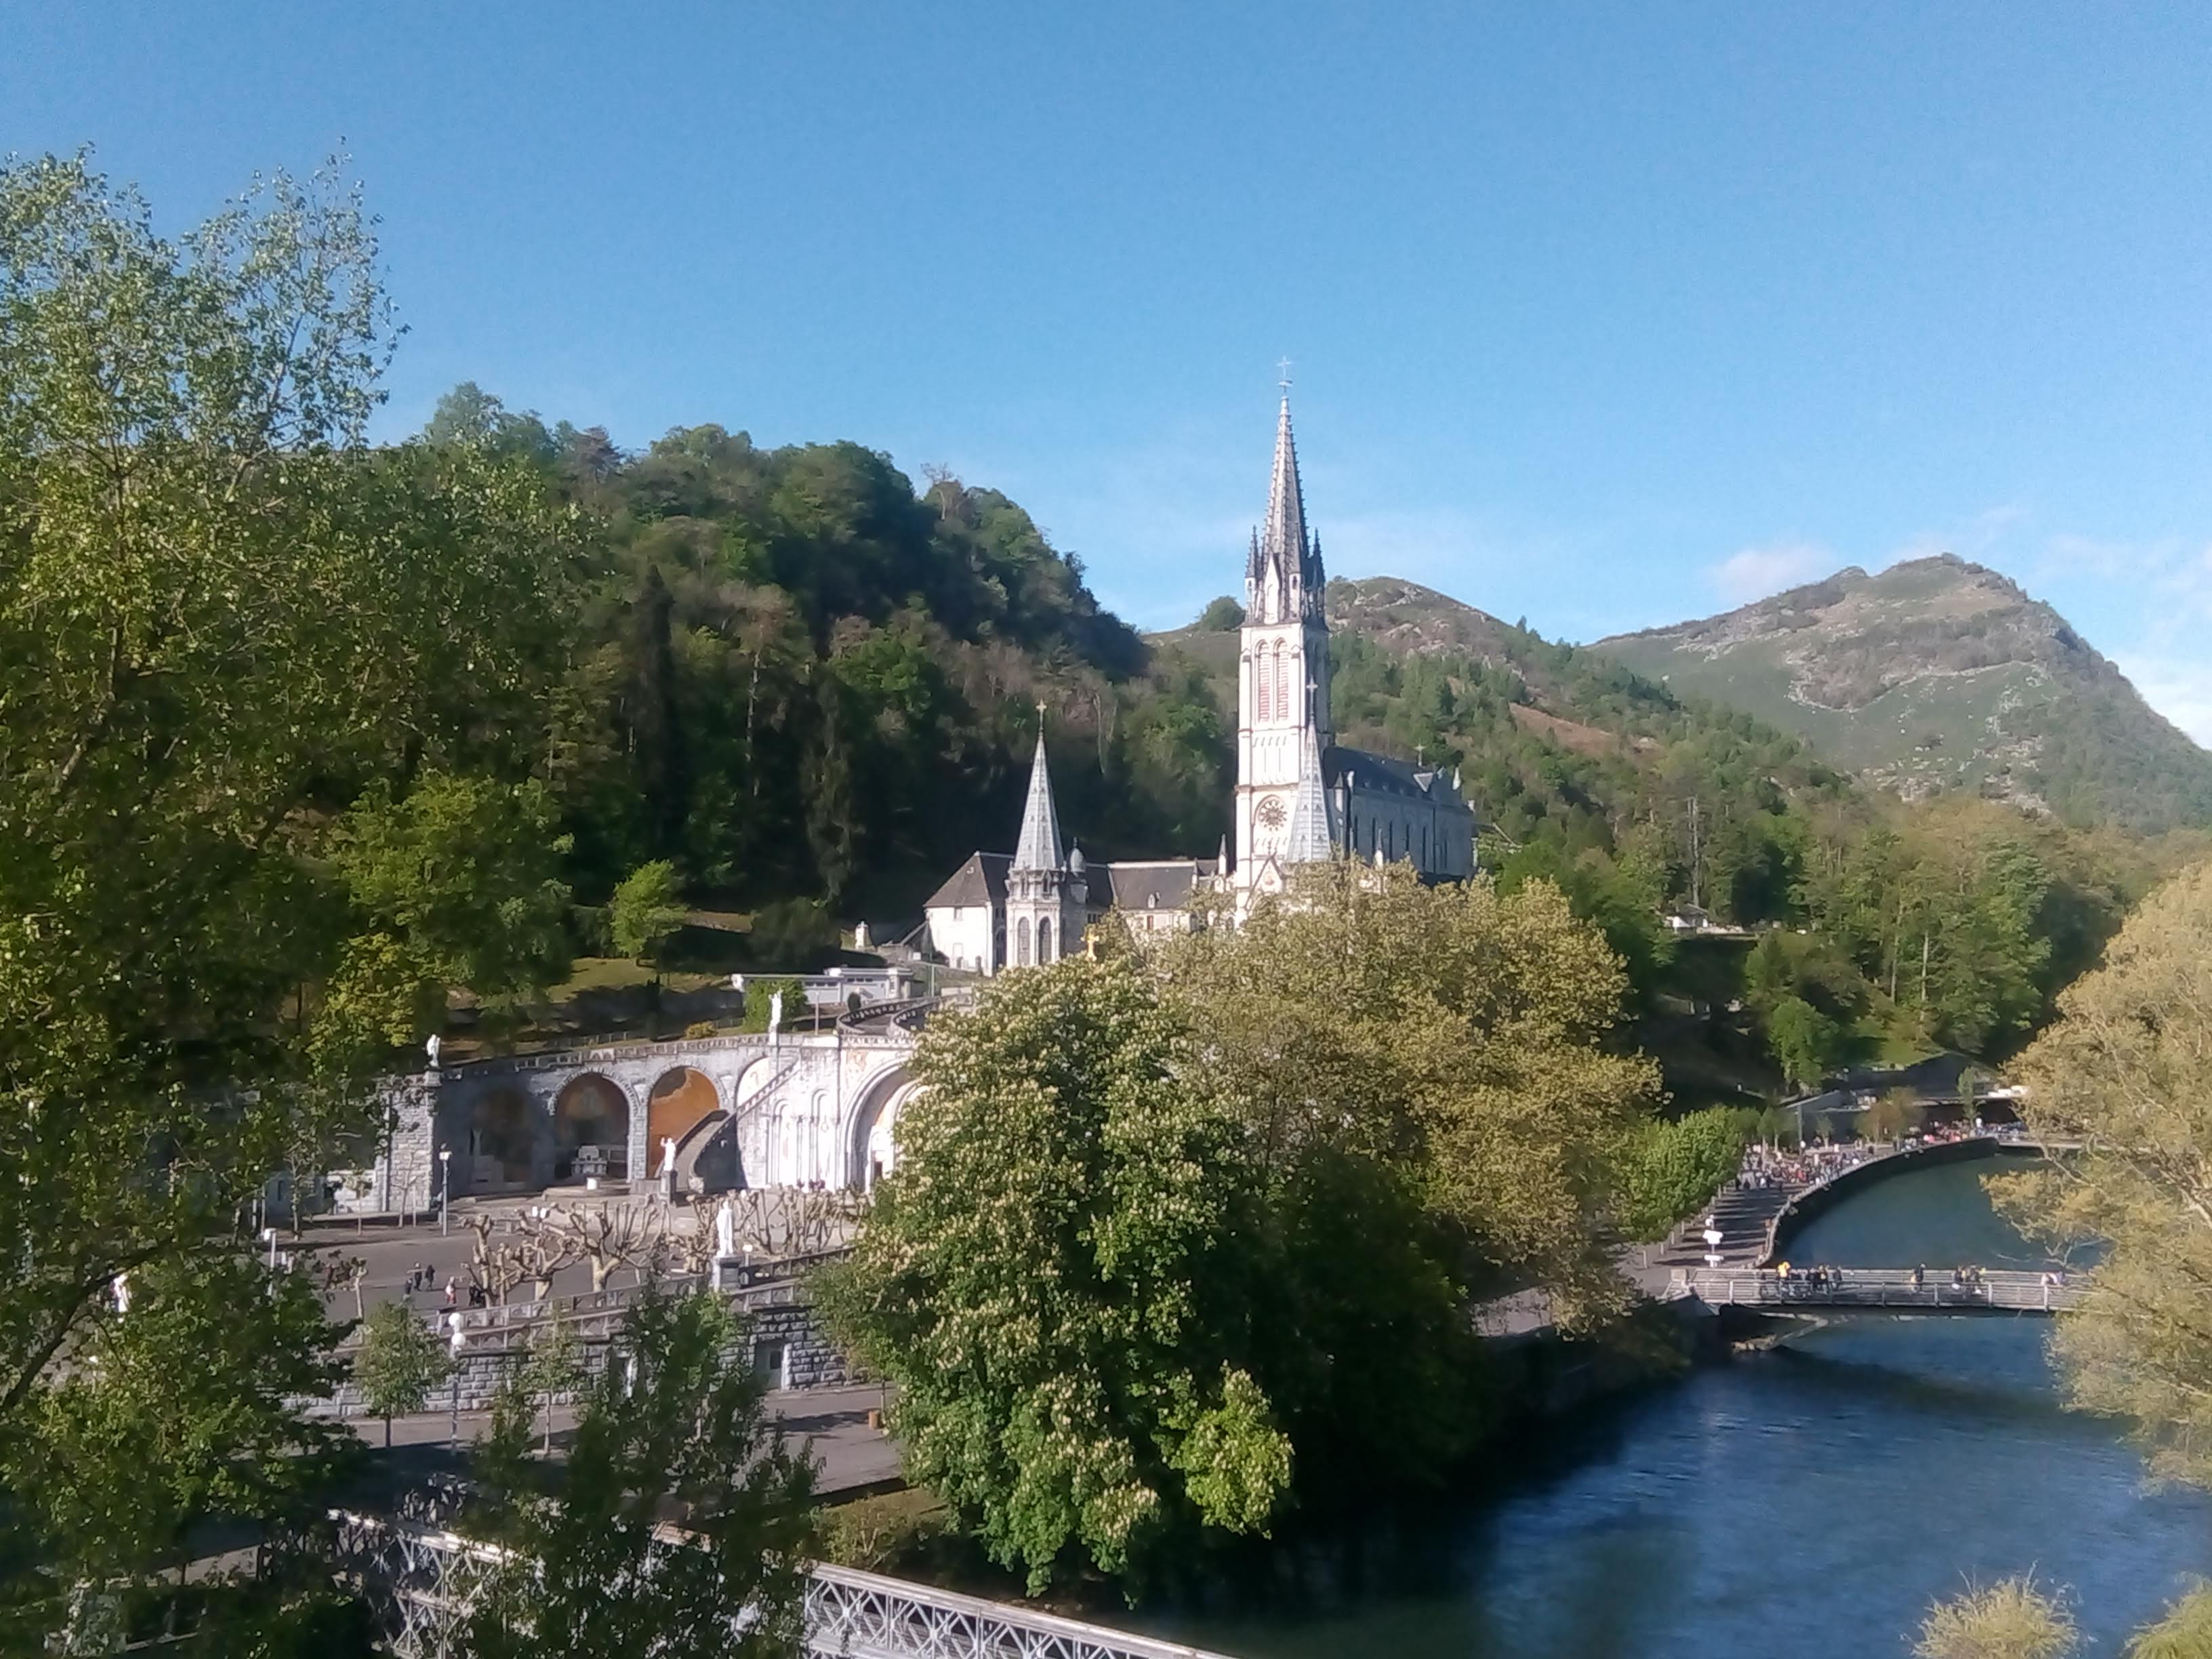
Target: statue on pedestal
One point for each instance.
(775, 1015)
(726, 1232)
(431, 1048)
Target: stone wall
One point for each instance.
(804, 1110)
(781, 1340)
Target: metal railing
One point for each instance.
(423, 1583)
(1892, 1288)
(864, 1615)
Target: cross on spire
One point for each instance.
(1284, 368)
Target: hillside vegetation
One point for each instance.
(1949, 923)
(1938, 675)
(795, 676)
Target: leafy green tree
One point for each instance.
(399, 1362)
(1804, 1041)
(556, 1366)
(221, 616)
(672, 1429)
(173, 1414)
(1449, 1032)
(646, 910)
(2012, 1618)
(459, 884)
(1671, 1170)
(1061, 1278)
(760, 1002)
(2127, 1069)
(1222, 616)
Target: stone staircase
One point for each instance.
(709, 1150)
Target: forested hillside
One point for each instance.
(794, 675)
(1950, 923)
(1938, 675)
(808, 685)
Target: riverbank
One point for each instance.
(1810, 1502)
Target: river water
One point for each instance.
(1810, 1502)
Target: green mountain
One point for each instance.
(1938, 676)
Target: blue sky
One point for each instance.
(1603, 316)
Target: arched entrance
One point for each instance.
(501, 1140)
(679, 1102)
(872, 1151)
(591, 1129)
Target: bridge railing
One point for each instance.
(1880, 1287)
(866, 1615)
(424, 1582)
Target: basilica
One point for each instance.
(1301, 796)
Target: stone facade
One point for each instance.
(791, 1110)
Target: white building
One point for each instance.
(1301, 796)
(1009, 910)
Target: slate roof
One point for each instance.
(981, 880)
(1147, 885)
(1384, 775)
(1039, 846)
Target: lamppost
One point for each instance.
(445, 1187)
(453, 1423)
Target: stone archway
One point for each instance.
(502, 1139)
(679, 1101)
(591, 1112)
(872, 1151)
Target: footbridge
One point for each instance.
(1896, 1291)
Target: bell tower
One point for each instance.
(1282, 679)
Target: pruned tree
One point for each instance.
(608, 1236)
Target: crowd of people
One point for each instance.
(1769, 1166)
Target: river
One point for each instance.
(1809, 1503)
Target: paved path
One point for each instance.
(833, 1422)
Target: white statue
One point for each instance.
(431, 1047)
(119, 1287)
(775, 1014)
(726, 1231)
(667, 1154)
(861, 940)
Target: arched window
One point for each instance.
(1044, 941)
(1282, 688)
(1021, 943)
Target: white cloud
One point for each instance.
(1756, 572)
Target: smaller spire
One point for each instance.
(1221, 857)
(1039, 847)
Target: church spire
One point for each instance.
(1311, 838)
(1283, 547)
(1039, 847)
